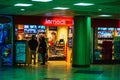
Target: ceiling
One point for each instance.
(111, 7)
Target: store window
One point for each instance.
(107, 44)
(24, 32)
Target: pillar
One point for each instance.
(81, 42)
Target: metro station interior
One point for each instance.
(82, 38)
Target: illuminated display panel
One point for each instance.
(105, 32)
(118, 31)
(7, 54)
(20, 52)
(6, 42)
(34, 29)
(26, 26)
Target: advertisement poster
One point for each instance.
(20, 52)
(7, 55)
(6, 40)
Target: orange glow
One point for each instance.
(20, 36)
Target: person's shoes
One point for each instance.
(42, 63)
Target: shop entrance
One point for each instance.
(58, 42)
(59, 34)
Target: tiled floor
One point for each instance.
(60, 70)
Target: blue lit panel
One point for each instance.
(7, 54)
(20, 52)
(6, 37)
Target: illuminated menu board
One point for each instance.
(34, 29)
(105, 32)
(20, 52)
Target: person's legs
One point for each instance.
(34, 58)
(43, 58)
(31, 56)
(46, 57)
(39, 57)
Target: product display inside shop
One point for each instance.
(24, 32)
(56, 42)
(107, 41)
(57, 50)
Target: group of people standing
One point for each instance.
(38, 46)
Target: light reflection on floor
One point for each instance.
(59, 70)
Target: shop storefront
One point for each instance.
(106, 41)
(57, 31)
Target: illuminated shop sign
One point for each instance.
(59, 21)
(56, 22)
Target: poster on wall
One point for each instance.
(7, 55)
(52, 38)
(20, 52)
(6, 48)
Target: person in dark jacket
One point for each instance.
(43, 45)
(32, 43)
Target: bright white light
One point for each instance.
(104, 15)
(42, 0)
(99, 9)
(83, 4)
(23, 4)
(22, 9)
(61, 8)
